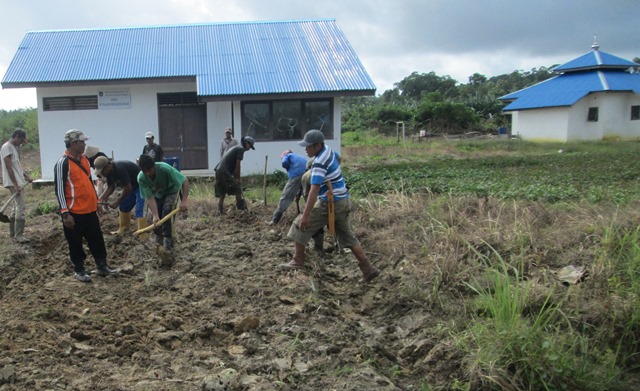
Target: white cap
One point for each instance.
(148, 135)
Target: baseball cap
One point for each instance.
(74, 135)
(100, 163)
(91, 151)
(148, 135)
(312, 137)
(249, 140)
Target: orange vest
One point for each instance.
(79, 194)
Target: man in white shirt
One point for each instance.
(14, 178)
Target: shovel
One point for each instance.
(3, 217)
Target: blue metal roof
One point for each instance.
(595, 59)
(226, 59)
(595, 71)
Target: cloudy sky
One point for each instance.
(392, 37)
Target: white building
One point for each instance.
(186, 84)
(595, 96)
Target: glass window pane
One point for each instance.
(318, 116)
(255, 121)
(286, 120)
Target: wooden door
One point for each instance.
(183, 129)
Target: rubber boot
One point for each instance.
(276, 218)
(103, 269)
(125, 223)
(167, 243)
(20, 238)
(142, 224)
(12, 227)
(241, 204)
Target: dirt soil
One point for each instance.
(220, 317)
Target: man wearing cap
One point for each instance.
(326, 177)
(228, 174)
(78, 206)
(124, 175)
(152, 149)
(296, 165)
(15, 179)
(161, 185)
(228, 142)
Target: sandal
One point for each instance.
(292, 265)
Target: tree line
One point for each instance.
(26, 119)
(439, 104)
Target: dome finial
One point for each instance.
(595, 45)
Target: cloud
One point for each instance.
(392, 38)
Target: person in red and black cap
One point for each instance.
(15, 179)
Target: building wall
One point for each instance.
(541, 125)
(121, 132)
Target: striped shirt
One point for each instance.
(326, 167)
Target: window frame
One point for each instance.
(70, 103)
(635, 113)
(291, 127)
(592, 114)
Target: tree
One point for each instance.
(416, 84)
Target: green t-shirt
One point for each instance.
(168, 181)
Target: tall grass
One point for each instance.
(512, 349)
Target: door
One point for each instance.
(183, 129)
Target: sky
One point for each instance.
(393, 38)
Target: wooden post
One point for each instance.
(264, 189)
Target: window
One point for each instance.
(286, 119)
(635, 113)
(592, 116)
(89, 102)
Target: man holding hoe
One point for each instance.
(328, 203)
(161, 185)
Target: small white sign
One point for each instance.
(114, 99)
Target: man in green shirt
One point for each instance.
(161, 185)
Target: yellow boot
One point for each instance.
(125, 223)
(142, 224)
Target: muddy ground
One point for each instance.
(221, 317)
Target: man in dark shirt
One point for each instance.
(152, 149)
(228, 174)
(124, 175)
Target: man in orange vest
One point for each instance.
(78, 206)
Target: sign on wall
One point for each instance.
(114, 99)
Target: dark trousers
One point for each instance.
(165, 206)
(87, 226)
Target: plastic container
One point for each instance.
(173, 161)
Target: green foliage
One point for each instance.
(510, 347)
(596, 172)
(45, 208)
(26, 119)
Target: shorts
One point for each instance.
(226, 184)
(320, 218)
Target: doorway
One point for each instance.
(183, 129)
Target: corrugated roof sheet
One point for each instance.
(593, 72)
(595, 59)
(569, 88)
(226, 59)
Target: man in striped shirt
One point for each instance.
(325, 168)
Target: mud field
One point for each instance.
(220, 317)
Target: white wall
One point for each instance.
(121, 132)
(541, 124)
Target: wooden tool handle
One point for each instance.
(162, 220)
